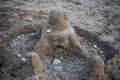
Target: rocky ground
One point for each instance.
(96, 22)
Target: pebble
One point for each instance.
(23, 59)
(103, 62)
(48, 30)
(18, 37)
(22, 34)
(101, 51)
(33, 34)
(95, 46)
(61, 58)
(80, 68)
(103, 55)
(103, 59)
(56, 61)
(98, 49)
(58, 68)
(19, 55)
(69, 70)
(31, 53)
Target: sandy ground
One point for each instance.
(21, 19)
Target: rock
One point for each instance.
(80, 68)
(58, 68)
(61, 58)
(101, 52)
(48, 30)
(56, 61)
(19, 55)
(23, 59)
(95, 46)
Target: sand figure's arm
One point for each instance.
(77, 47)
(42, 47)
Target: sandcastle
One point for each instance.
(59, 37)
(34, 69)
(94, 69)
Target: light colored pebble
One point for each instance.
(56, 61)
(61, 58)
(58, 68)
(95, 46)
(101, 51)
(33, 34)
(104, 59)
(98, 49)
(48, 30)
(23, 59)
(19, 55)
(18, 37)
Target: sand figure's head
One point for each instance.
(58, 20)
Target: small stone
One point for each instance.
(13, 41)
(69, 70)
(80, 68)
(58, 68)
(48, 30)
(98, 49)
(31, 53)
(22, 34)
(103, 59)
(32, 34)
(23, 59)
(19, 55)
(103, 55)
(18, 37)
(103, 62)
(94, 46)
(56, 61)
(101, 51)
(61, 58)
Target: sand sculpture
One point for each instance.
(59, 37)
